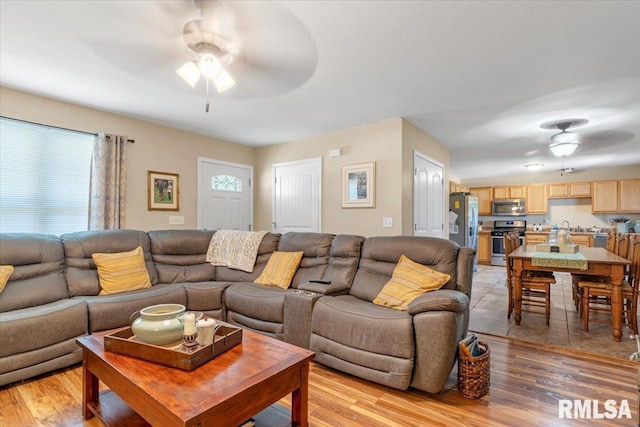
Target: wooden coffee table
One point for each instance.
(226, 391)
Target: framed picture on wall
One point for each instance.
(359, 185)
(163, 191)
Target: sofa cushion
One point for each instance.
(316, 248)
(5, 272)
(364, 326)
(80, 270)
(381, 254)
(280, 269)
(180, 255)
(409, 281)
(115, 311)
(37, 278)
(122, 271)
(256, 301)
(344, 257)
(39, 327)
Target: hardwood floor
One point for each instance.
(527, 383)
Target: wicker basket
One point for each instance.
(473, 372)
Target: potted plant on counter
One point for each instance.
(621, 223)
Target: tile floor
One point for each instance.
(489, 315)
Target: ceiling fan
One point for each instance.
(257, 48)
(212, 57)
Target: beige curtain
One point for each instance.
(107, 197)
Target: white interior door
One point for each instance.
(296, 196)
(225, 198)
(428, 196)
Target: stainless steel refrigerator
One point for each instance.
(463, 220)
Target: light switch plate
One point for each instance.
(387, 221)
(176, 219)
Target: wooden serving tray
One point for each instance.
(175, 354)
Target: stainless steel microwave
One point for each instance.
(508, 207)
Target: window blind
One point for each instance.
(44, 178)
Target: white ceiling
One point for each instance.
(480, 77)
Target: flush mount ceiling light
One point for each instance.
(211, 58)
(564, 143)
(534, 166)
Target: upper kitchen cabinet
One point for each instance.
(616, 196)
(454, 187)
(604, 196)
(629, 195)
(569, 190)
(509, 192)
(537, 199)
(484, 199)
(579, 189)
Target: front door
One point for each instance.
(225, 197)
(428, 197)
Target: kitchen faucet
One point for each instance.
(568, 226)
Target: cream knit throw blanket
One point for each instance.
(235, 249)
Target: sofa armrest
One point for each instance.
(442, 300)
(324, 289)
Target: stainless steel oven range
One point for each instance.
(498, 257)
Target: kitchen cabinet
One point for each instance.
(535, 238)
(629, 195)
(579, 189)
(509, 192)
(484, 248)
(454, 187)
(484, 199)
(537, 199)
(569, 190)
(581, 240)
(604, 196)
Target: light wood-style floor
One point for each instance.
(527, 382)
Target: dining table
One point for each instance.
(591, 261)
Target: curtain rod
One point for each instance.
(58, 127)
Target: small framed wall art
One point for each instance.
(163, 192)
(359, 185)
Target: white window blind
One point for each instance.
(44, 178)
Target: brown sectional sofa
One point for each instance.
(52, 298)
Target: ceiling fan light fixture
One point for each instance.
(190, 73)
(210, 67)
(223, 81)
(563, 149)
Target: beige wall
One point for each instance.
(156, 148)
(413, 139)
(379, 142)
(390, 144)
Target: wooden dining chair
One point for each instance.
(597, 295)
(619, 244)
(536, 285)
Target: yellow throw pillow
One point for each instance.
(122, 271)
(5, 273)
(409, 280)
(280, 269)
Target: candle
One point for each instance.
(189, 324)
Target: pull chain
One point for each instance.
(207, 107)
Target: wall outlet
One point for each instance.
(176, 220)
(387, 222)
